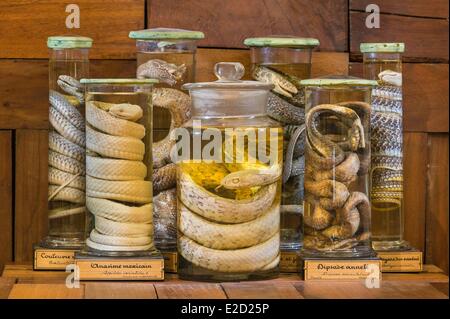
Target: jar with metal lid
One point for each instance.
(337, 207)
(69, 62)
(119, 167)
(284, 61)
(169, 56)
(229, 162)
(383, 63)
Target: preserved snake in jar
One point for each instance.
(229, 162)
(382, 62)
(337, 214)
(284, 61)
(167, 55)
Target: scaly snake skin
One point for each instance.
(66, 150)
(387, 139)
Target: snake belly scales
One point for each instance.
(336, 154)
(387, 140)
(286, 105)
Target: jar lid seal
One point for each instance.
(69, 42)
(166, 33)
(281, 41)
(392, 47)
(118, 81)
(338, 80)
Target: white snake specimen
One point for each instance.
(118, 192)
(66, 150)
(338, 217)
(230, 235)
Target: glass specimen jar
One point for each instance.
(383, 63)
(284, 61)
(167, 55)
(69, 62)
(337, 206)
(229, 163)
(119, 167)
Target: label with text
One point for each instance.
(52, 259)
(289, 261)
(401, 261)
(121, 269)
(341, 269)
(170, 261)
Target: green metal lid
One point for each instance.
(394, 47)
(69, 42)
(118, 81)
(281, 41)
(166, 33)
(338, 80)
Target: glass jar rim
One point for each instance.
(387, 47)
(69, 42)
(282, 41)
(119, 81)
(166, 33)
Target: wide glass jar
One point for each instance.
(383, 63)
(229, 162)
(284, 61)
(169, 56)
(337, 206)
(119, 167)
(69, 62)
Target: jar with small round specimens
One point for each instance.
(119, 192)
(229, 163)
(167, 55)
(337, 214)
(284, 61)
(383, 63)
(69, 62)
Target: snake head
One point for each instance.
(391, 77)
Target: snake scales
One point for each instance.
(66, 150)
(387, 140)
(286, 105)
(337, 215)
(228, 229)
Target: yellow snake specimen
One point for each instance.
(234, 229)
(118, 190)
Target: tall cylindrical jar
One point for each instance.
(169, 56)
(383, 63)
(337, 206)
(119, 167)
(229, 181)
(284, 61)
(68, 63)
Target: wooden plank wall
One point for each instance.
(339, 24)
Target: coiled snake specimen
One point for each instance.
(338, 217)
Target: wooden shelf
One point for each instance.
(19, 281)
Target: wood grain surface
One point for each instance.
(416, 8)
(29, 23)
(425, 39)
(6, 193)
(31, 191)
(227, 23)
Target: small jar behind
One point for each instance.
(337, 207)
(119, 167)
(69, 62)
(167, 55)
(229, 181)
(383, 63)
(284, 61)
